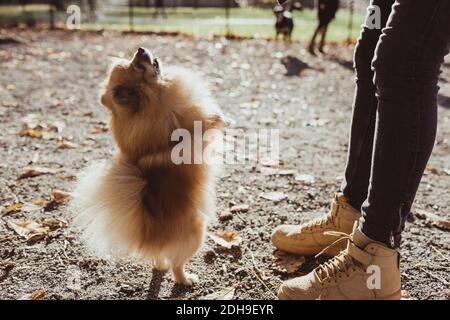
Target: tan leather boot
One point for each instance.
(366, 272)
(309, 238)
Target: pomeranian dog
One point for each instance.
(140, 203)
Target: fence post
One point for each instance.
(227, 17)
(51, 12)
(350, 21)
(130, 14)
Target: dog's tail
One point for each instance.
(108, 197)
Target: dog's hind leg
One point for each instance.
(182, 277)
(180, 256)
(161, 264)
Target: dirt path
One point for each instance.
(56, 76)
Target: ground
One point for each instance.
(55, 76)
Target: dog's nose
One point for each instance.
(143, 55)
(142, 51)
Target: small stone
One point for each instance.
(239, 208)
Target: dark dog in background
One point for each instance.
(284, 23)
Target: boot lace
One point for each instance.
(338, 266)
(321, 222)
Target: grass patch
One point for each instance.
(247, 22)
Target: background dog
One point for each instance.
(284, 22)
(141, 203)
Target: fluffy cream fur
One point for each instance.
(140, 204)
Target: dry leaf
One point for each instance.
(32, 133)
(58, 198)
(224, 215)
(227, 240)
(12, 208)
(30, 172)
(67, 145)
(287, 262)
(53, 224)
(96, 130)
(433, 219)
(305, 178)
(61, 197)
(224, 294)
(240, 208)
(36, 295)
(431, 170)
(275, 196)
(35, 206)
(27, 229)
(442, 224)
(270, 162)
(406, 295)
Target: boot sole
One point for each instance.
(395, 296)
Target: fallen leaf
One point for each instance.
(442, 224)
(274, 196)
(58, 198)
(224, 215)
(32, 133)
(433, 219)
(223, 294)
(239, 208)
(27, 229)
(36, 295)
(30, 172)
(227, 239)
(49, 135)
(307, 178)
(406, 295)
(97, 130)
(12, 208)
(431, 170)
(271, 162)
(53, 224)
(29, 207)
(67, 145)
(288, 263)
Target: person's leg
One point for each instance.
(312, 43)
(407, 61)
(407, 65)
(359, 158)
(309, 238)
(322, 39)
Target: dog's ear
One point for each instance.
(126, 96)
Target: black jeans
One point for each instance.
(395, 111)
